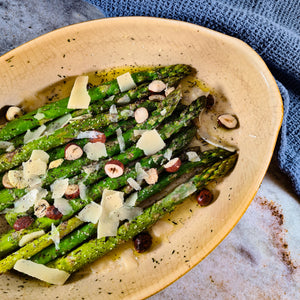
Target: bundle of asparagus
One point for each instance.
(72, 213)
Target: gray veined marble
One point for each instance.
(23, 20)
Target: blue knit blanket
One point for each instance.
(270, 27)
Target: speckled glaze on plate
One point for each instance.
(228, 65)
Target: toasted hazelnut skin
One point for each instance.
(173, 165)
(53, 213)
(205, 197)
(72, 191)
(100, 138)
(142, 242)
(73, 151)
(114, 168)
(22, 223)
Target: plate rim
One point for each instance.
(238, 43)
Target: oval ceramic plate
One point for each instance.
(228, 65)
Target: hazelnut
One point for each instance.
(157, 86)
(227, 121)
(73, 152)
(22, 223)
(100, 137)
(114, 168)
(141, 115)
(173, 165)
(72, 191)
(142, 242)
(53, 213)
(205, 197)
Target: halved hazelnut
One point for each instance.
(152, 176)
(53, 213)
(114, 168)
(23, 223)
(227, 121)
(169, 90)
(73, 152)
(13, 113)
(156, 97)
(72, 191)
(100, 137)
(157, 86)
(173, 165)
(6, 183)
(40, 208)
(141, 115)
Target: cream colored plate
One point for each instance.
(228, 65)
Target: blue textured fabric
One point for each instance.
(270, 27)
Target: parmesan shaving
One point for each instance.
(40, 154)
(32, 168)
(92, 134)
(34, 135)
(150, 142)
(7, 146)
(108, 225)
(127, 113)
(134, 184)
(124, 99)
(90, 213)
(131, 200)
(94, 151)
(163, 112)
(168, 154)
(57, 124)
(28, 200)
(141, 174)
(62, 205)
(129, 213)
(113, 114)
(39, 116)
(125, 82)
(39, 271)
(82, 191)
(30, 237)
(193, 156)
(59, 187)
(90, 168)
(109, 222)
(111, 98)
(112, 200)
(55, 236)
(79, 98)
(120, 140)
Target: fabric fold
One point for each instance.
(270, 27)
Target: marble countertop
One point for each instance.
(259, 259)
